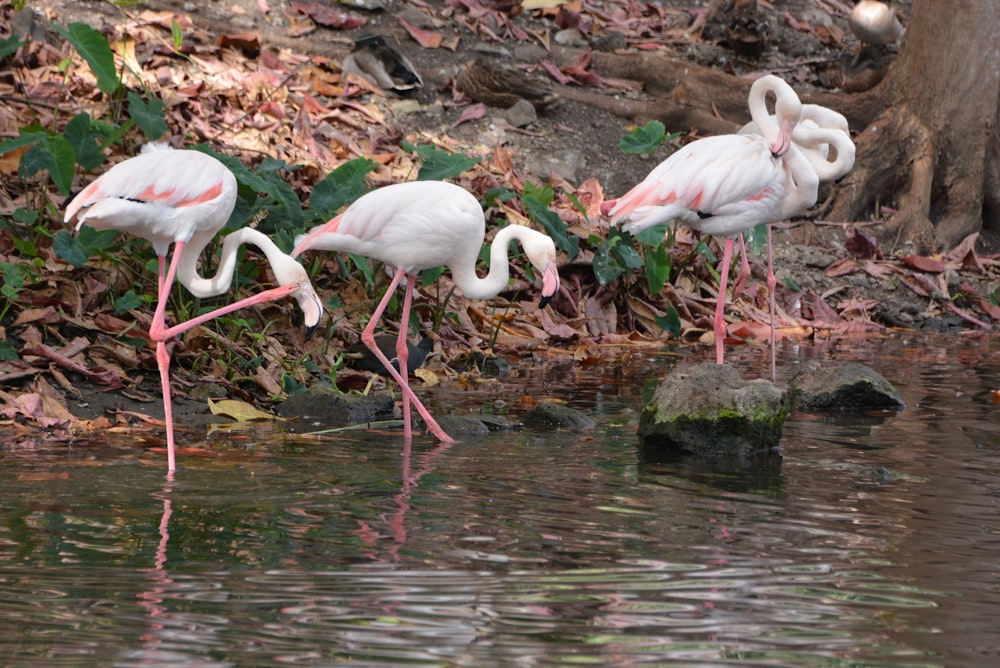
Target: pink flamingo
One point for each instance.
(184, 197)
(416, 226)
(728, 184)
(820, 129)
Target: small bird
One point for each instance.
(184, 198)
(501, 87)
(728, 184)
(381, 65)
(747, 32)
(419, 225)
(358, 356)
(875, 22)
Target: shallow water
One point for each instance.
(877, 542)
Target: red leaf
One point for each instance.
(425, 38)
(922, 263)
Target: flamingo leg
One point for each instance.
(720, 304)
(160, 333)
(772, 284)
(744, 274)
(368, 337)
(403, 352)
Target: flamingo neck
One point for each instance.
(803, 183)
(474, 287)
(199, 286)
(815, 138)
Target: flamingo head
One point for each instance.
(288, 271)
(784, 141)
(541, 252)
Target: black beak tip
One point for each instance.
(309, 331)
(544, 301)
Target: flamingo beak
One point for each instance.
(312, 308)
(784, 140)
(550, 283)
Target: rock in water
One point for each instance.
(849, 387)
(708, 412)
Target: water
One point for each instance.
(876, 543)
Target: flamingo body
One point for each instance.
(423, 224)
(719, 185)
(142, 196)
(184, 198)
(875, 22)
(728, 184)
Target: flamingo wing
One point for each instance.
(715, 176)
(411, 226)
(161, 195)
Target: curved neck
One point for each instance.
(815, 138)
(803, 183)
(474, 287)
(199, 286)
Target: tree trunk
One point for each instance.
(927, 135)
(932, 152)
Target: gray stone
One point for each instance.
(548, 415)
(522, 114)
(849, 387)
(463, 427)
(707, 411)
(336, 409)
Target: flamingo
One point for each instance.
(727, 184)
(184, 197)
(875, 22)
(419, 225)
(819, 123)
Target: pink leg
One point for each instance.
(720, 305)
(160, 333)
(744, 274)
(772, 284)
(368, 336)
(403, 352)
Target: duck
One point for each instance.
(747, 33)
(875, 22)
(378, 63)
(359, 357)
(501, 87)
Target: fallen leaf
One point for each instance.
(239, 410)
(425, 38)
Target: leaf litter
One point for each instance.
(250, 101)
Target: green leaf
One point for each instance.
(68, 248)
(25, 247)
(56, 155)
(539, 211)
(428, 276)
(658, 267)
(670, 322)
(10, 45)
(94, 48)
(756, 237)
(128, 301)
(86, 147)
(645, 139)
(148, 116)
(606, 268)
(652, 236)
(438, 164)
(341, 186)
(79, 248)
(7, 352)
